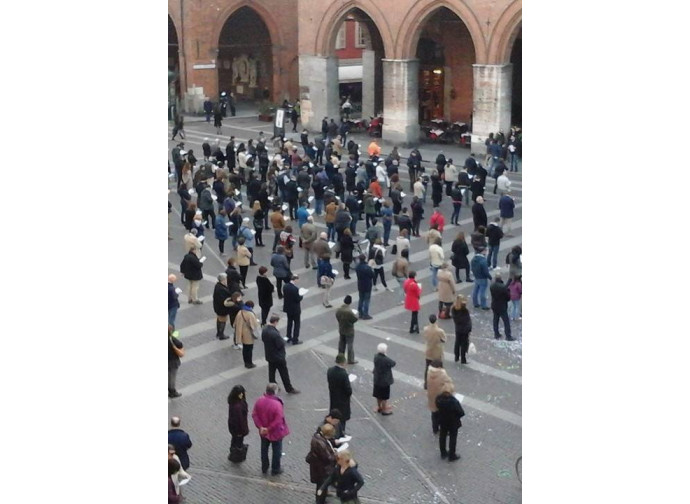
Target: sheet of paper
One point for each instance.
(344, 439)
(302, 291)
(271, 198)
(185, 481)
(459, 397)
(352, 378)
(335, 272)
(402, 194)
(285, 206)
(201, 238)
(214, 197)
(310, 199)
(202, 259)
(178, 290)
(252, 231)
(237, 193)
(310, 211)
(356, 313)
(331, 244)
(342, 447)
(198, 212)
(191, 191)
(228, 224)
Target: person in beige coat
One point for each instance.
(437, 381)
(435, 337)
(246, 324)
(446, 291)
(244, 259)
(308, 234)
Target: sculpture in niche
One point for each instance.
(240, 69)
(251, 63)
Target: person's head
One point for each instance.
(497, 274)
(175, 421)
(436, 363)
(249, 304)
(444, 266)
(460, 302)
(273, 320)
(236, 297)
(263, 270)
(347, 232)
(460, 236)
(257, 206)
(432, 318)
(362, 258)
(194, 231)
(236, 394)
(280, 249)
(517, 249)
(171, 451)
(271, 389)
(232, 262)
(412, 274)
(294, 278)
(480, 200)
(437, 241)
(405, 253)
(404, 210)
(310, 219)
(172, 278)
(497, 220)
(344, 458)
(340, 359)
(323, 236)
(327, 431)
(347, 300)
(481, 229)
(173, 466)
(241, 240)
(382, 348)
(288, 229)
(223, 278)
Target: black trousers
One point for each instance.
(293, 323)
(247, 351)
(415, 226)
(264, 313)
(467, 274)
(243, 275)
(434, 421)
(210, 217)
(462, 343)
(281, 367)
(426, 370)
(378, 272)
(414, 324)
(503, 315)
(453, 434)
(237, 442)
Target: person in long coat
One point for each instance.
(479, 213)
(321, 458)
(237, 418)
(459, 252)
(446, 291)
(347, 246)
(463, 328)
(436, 380)
(383, 379)
(246, 325)
(339, 389)
(413, 291)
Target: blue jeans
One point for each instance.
(492, 257)
(331, 231)
(434, 276)
(172, 313)
(479, 292)
(386, 232)
(275, 459)
(456, 212)
(401, 281)
(513, 162)
(515, 309)
(363, 305)
(353, 225)
(318, 206)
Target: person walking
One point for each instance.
(281, 269)
(494, 233)
(237, 423)
(173, 301)
(246, 327)
(437, 380)
(191, 270)
(413, 291)
(180, 440)
(265, 288)
(459, 252)
(339, 389)
(480, 270)
(269, 417)
(175, 351)
(346, 329)
(463, 328)
(383, 379)
(274, 351)
(446, 291)
(399, 271)
(365, 282)
(515, 288)
(500, 295)
(292, 307)
(434, 337)
(449, 414)
(347, 479)
(321, 458)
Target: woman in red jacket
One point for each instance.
(438, 219)
(413, 291)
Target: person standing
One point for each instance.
(191, 270)
(500, 295)
(180, 440)
(237, 423)
(480, 270)
(399, 271)
(437, 380)
(449, 414)
(308, 236)
(208, 109)
(346, 329)
(450, 176)
(218, 119)
(459, 252)
(377, 253)
(274, 351)
(506, 206)
(494, 233)
(347, 479)
(383, 379)
(463, 328)
(281, 269)
(174, 496)
(434, 337)
(417, 215)
(436, 259)
(266, 288)
(221, 292)
(339, 388)
(479, 213)
(515, 288)
(331, 210)
(269, 417)
(173, 301)
(446, 291)
(456, 198)
(514, 262)
(278, 225)
(347, 246)
(413, 291)
(292, 307)
(246, 326)
(244, 258)
(175, 351)
(387, 220)
(321, 458)
(365, 282)
(326, 277)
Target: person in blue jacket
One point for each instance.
(365, 282)
(221, 231)
(480, 270)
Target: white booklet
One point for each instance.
(352, 378)
(331, 244)
(202, 259)
(342, 447)
(178, 290)
(459, 397)
(302, 291)
(310, 199)
(201, 238)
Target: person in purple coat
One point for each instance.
(269, 418)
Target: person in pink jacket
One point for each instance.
(269, 418)
(438, 219)
(515, 289)
(413, 291)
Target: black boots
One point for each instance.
(220, 331)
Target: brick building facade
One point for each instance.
(420, 60)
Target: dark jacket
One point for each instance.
(321, 459)
(365, 277)
(274, 344)
(342, 219)
(346, 320)
(449, 411)
(494, 233)
(291, 299)
(479, 215)
(191, 267)
(281, 266)
(347, 483)
(346, 248)
(507, 206)
(500, 295)
(181, 441)
(266, 289)
(462, 320)
(404, 222)
(220, 293)
(460, 250)
(173, 302)
(383, 370)
(237, 418)
(339, 390)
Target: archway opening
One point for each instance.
(173, 63)
(245, 56)
(446, 54)
(516, 60)
(358, 46)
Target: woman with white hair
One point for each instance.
(383, 379)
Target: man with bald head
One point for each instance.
(180, 440)
(173, 301)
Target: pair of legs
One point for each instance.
(279, 286)
(467, 274)
(515, 309)
(221, 322)
(444, 433)
(456, 214)
(247, 351)
(503, 315)
(259, 239)
(172, 314)
(363, 305)
(172, 379)
(243, 275)
(193, 290)
(492, 258)
(277, 447)
(292, 331)
(221, 246)
(326, 301)
(348, 341)
(434, 276)
(414, 323)
(444, 308)
(265, 309)
(309, 257)
(281, 367)
(382, 394)
(462, 343)
(479, 292)
(378, 273)
(415, 226)
(210, 217)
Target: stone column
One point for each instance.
(401, 101)
(318, 78)
(493, 86)
(368, 83)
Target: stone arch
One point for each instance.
(416, 18)
(326, 32)
(504, 34)
(265, 15)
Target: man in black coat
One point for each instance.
(404, 222)
(500, 295)
(221, 292)
(293, 309)
(191, 269)
(274, 351)
(339, 389)
(180, 440)
(479, 213)
(449, 414)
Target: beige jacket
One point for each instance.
(436, 256)
(418, 189)
(245, 321)
(437, 380)
(308, 234)
(243, 256)
(435, 337)
(446, 286)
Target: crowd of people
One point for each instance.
(236, 191)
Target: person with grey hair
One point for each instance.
(221, 292)
(500, 296)
(269, 417)
(383, 379)
(180, 440)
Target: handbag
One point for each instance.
(178, 351)
(394, 250)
